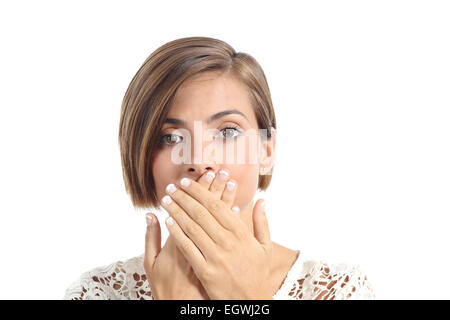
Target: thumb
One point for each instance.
(261, 225)
(152, 242)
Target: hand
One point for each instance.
(169, 274)
(227, 258)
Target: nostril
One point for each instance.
(191, 169)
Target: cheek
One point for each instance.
(244, 169)
(163, 171)
(244, 150)
(247, 179)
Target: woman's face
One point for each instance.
(196, 101)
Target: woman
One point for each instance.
(197, 138)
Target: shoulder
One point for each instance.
(320, 280)
(120, 280)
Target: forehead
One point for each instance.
(208, 93)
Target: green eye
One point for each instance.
(230, 132)
(170, 139)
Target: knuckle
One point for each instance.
(227, 246)
(241, 234)
(191, 229)
(185, 247)
(225, 241)
(200, 220)
(197, 210)
(216, 205)
(206, 274)
(221, 258)
(198, 213)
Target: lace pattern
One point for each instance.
(117, 281)
(305, 280)
(318, 280)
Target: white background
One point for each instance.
(361, 94)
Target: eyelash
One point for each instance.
(161, 140)
(236, 130)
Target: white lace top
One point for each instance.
(126, 280)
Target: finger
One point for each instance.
(218, 185)
(194, 231)
(206, 179)
(152, 242)
(189, 250)
(261, 225)
(229, 193)
(215, 206)
(191, 208)
(236, 211)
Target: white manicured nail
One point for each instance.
(169, 221)
(171, 188)
(210, 176)
(235, 209)
(230, 185)
(185, 182)
(223, 174)
(149, 220)
(167, 199)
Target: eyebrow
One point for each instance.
(209, 120)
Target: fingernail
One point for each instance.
(231, 185)
(235, 209)
(167, 199)
(149, 220)
(210, 176)
(185, 182)
(223, 174)
(171, 188)
(169, 221)
(263, 204)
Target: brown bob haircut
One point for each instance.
(153, 88)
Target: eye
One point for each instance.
(229, 133)
(169, 139)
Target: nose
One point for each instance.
(201, 164)
(202, 158)
(195, 171)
